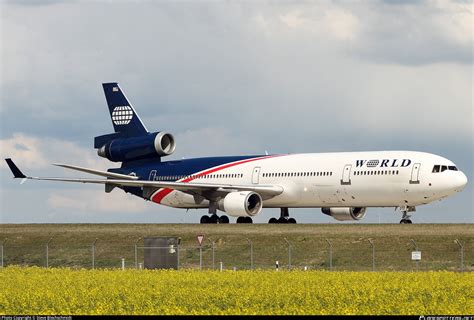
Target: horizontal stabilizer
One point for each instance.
(106, 138)
(97, 172)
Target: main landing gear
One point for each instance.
(284, 217)
(214, 218)
(406, 216)
(244, 220)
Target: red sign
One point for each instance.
(200, 238)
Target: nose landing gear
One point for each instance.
(406, 216)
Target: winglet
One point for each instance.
(16, 172)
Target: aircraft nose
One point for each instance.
(461, 182)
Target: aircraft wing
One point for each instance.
(189, 187)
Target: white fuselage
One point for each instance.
(349, 179)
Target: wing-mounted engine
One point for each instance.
(345, 214)
(151, 145)
(241, 204)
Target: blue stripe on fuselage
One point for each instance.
(174, 168)
(179, 167)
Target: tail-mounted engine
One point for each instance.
(345, 214)
(152, 145)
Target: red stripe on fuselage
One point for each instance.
(158, 197)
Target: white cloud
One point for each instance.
(212, 141)
(39, 153)
(330, 22)
(416, 34)
(90, 202)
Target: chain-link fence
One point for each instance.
(299, 253)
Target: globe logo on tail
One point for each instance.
(122, 115)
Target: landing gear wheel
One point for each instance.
(284, 217)
(214, 218)
(282, 220)
(205, 219)
(240, 220)
(406, 216)
(224, 219)
(248, 220)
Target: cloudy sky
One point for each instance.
(230, 78)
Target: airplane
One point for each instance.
(342, 184)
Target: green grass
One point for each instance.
(72, 243)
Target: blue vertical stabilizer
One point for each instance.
(125, 120)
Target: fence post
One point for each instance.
(289, 252)
(47, 252)
(3, 245)
(213, 254)
(461, 247)
(373, 253)
(93, 253)
(251, 253)
(179, 242)
(212, 251)
(416, 249)
(136, 252)
(330, 253)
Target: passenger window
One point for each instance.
(444, 168)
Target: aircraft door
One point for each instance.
(415, 172)
(152, 175)
(346, 174)
(256, 175)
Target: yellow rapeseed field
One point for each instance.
(84, 292)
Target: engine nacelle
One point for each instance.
(241, 204)
(157, 144)
(345, 214)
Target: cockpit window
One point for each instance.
(440, 168)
